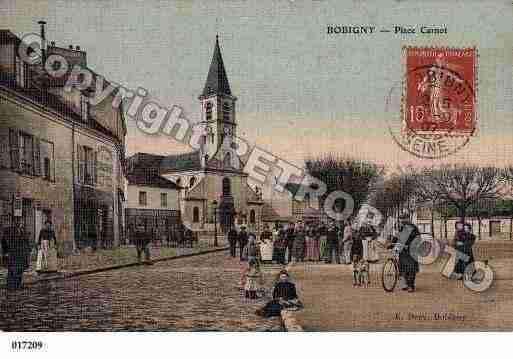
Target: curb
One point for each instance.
(289, 322)
(121, 266)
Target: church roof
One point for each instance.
(217, 81)
(182, 161)
(150, 180)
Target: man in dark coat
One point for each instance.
(465, 240)
(408, 264)
(291, 235)
(142, 239)
(232, 240)
(243, 241)
(332, 243)
(18, 251)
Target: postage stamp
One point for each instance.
(439, 91)
(438, 105)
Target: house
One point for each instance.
(152, 202)
(61, 157)
(490, 220)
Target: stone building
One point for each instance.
(61, 157)
(214, 185)
(152, 202)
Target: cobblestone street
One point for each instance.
(199, 293)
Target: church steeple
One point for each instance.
(217, 81)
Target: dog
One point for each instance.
(364, 274)
(360, 272)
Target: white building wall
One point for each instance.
(153, 197)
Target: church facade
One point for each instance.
(214, 185)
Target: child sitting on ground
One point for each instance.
(253, 279)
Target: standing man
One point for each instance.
(347, 240)
(332, 243)
(18, 251)
(243, 241)
(408, 264)
(290, 241)
(142, 243)
(232, 240)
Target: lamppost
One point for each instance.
(214, 206)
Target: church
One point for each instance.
(213, 185)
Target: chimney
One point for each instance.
(43, 41)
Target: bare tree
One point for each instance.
(353, 176)
(461, 186)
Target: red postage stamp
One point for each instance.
(439, 91)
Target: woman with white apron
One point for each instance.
(369, 247)
(47, 253)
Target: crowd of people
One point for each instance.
(306, 242)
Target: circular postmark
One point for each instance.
(431, 112)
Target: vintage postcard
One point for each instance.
(240, 165)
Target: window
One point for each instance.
(226, 112)
(192, 181)
(195, 215)
(163, 199)
(208, 111)
(252, 216)
(26, 153)
(88, 165)
(143, 200)
(227, 160)
(84, 109)
(47, 170)
(226, 187)
(21, 70)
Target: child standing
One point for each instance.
(253, 279)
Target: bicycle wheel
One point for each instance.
(390, 275)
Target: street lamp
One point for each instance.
(214, 205)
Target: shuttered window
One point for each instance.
(37, 157)
(14, 143)
(81, 164)
(89, 160)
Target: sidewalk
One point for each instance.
(105, 259)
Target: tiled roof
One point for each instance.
(182, 161)
(151, 180)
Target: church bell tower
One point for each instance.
(218, 111)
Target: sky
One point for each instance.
(301, 92)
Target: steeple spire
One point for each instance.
(217, 81)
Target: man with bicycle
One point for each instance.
(408, 264)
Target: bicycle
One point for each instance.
(390, 273)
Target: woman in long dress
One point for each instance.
(299, 245)
(323, 242)
(312, 245)
(47, 254)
